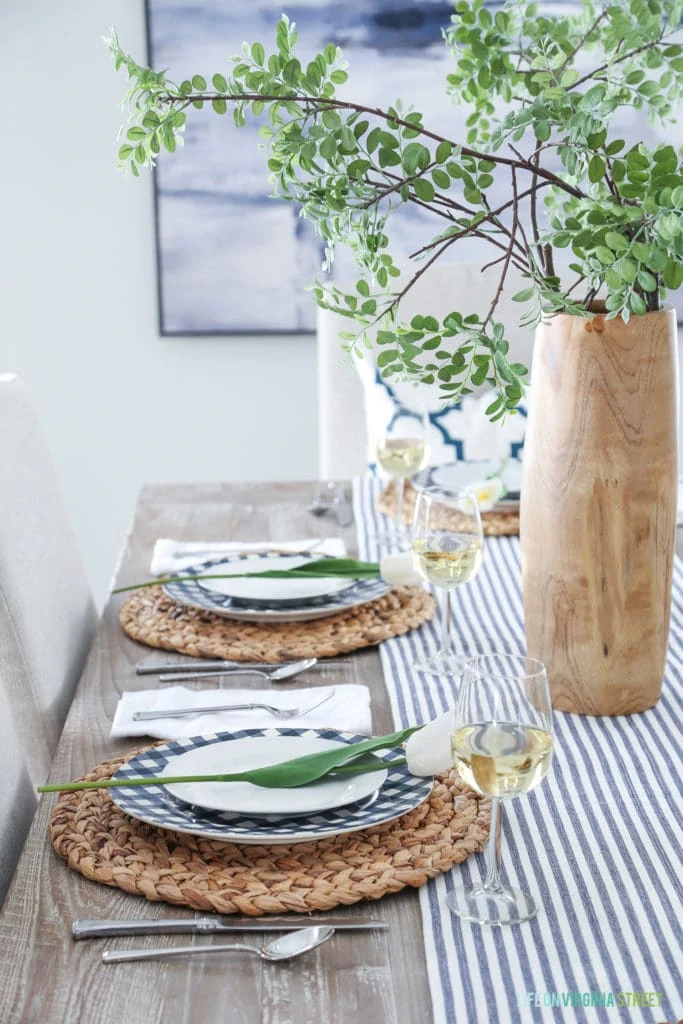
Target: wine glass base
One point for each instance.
(450, 663)
(496, 907)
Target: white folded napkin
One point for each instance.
(171, 556)
(348, 710)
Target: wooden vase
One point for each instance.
(598, 511)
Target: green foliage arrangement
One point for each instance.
(352, 168)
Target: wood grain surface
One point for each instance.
(48, 978)
(598, 514)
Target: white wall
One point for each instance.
(121, 406)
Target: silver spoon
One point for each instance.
(285, 948)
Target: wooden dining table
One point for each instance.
(46, 977)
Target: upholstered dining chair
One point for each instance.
(348, 391)
(47, 616)
(17, 796)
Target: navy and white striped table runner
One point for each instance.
(598, 843)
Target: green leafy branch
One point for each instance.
(351, 168)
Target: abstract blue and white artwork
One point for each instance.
(231, 259)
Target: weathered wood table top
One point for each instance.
(48, 978)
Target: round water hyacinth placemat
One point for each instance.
(106, 845)
(497, 523)
(154, 619)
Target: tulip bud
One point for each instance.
(428, 751)
(399, 571)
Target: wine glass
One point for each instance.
(401, 449)
(448, 549)
(502, 746)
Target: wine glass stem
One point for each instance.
(446, 624)
(399, 502)
(492, 883)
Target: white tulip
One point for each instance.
(488, 492)
(399, 571)
(428, 751)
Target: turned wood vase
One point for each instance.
(598, 509)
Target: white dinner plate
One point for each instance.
(401, 792)
(272, 592)
(257, 752)
(195, 593)
(453, 475)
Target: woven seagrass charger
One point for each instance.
(152, 618)
(104, 844)
(497, 523)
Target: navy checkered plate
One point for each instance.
(197, 594)
(400, 793)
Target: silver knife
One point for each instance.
(145, 668)
(200, 665)
(83, 929)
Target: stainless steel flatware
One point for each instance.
(331, 497)
(273, 675)
(343, 512)
(148, 716)
(284, 948)
(85, 929)
(153, 668)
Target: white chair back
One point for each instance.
(47, 616)
(17, 796)
(342, 397)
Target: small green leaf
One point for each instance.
(604, 254)
(198, 83)
(219, 83)
(596, 168)
(424, 190)
(637, 304)
(569, 77)
(646, 281)
(443, 151)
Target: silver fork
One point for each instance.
(273, 675)
(146, 716)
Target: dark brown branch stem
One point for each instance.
(335, 104)
(534, 216)
(489, 217)
(618, 60)
(549, 262)
(416, 277)
(503, 228)
(508, 255)
(587, 34)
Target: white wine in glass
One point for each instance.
(448, 550)
(502, 746)
(401, 451)
(401, 456)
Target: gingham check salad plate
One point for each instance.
(201, 594)
(400, 793)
